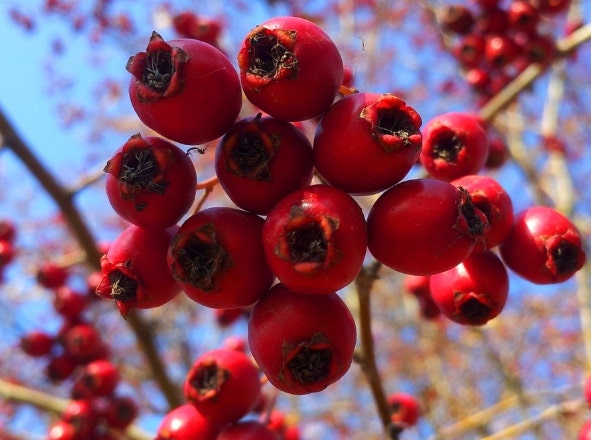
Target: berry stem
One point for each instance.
(364, 283)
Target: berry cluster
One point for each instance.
(78, 353)
(291, 243)
(494, 42)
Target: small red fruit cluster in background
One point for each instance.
(494, 42)
(78, 355)
(7, 239)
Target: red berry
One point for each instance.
(585, 431)
(51, 275)
(302, 343)
(223, 384)
(69, 303)
(135, 273)
(83, 416)
(290, 68)
(497, 153)
(247, 430)
(60, 367)
(150, 182)
(491, 198)
(587, 390)
(262, 159)
(418, 285)
(186, 423)
(367, 142)
(523, 16)
(217, 258)
(315, 239)
(500, 50)
(457, 19)
(405, 409)
(473, 292)
(553, 6)
(227, 317)
(537, 48)
(62, 430)
(100, 377)
(189, 25)
(184, 89)
(454, 145)
(83, 342)
(37, 343)
(544, 246)
(424, 226)
(469, 50)
(119, 411)
(7, 230)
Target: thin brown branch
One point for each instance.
(18, 393)
(367, 361)
(564, 48)
(63, 198)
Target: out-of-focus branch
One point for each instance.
(18, 393)
(364, 283)
(564, 48)
(63, 198)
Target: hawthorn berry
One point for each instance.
(491, 198)
(302, 343)
(51, 275)
(290, 68)
(405, 409)
(185, 89)
(262, 159)
(68, 302)
(454, 145)
(585, 431)
(418, 286)
(7, 230)
(424, 226)
(469, 50)
(473, 292)
(83, 416)
(62, 430)
(367, 142)
(60, 366)
(37, 343)
(247, 430)
(189, 25)
(223, 384)
(83, 342)
(315, 239)
(544, 246)
(150, 182)
(135, 271)
(99, 377)
(217, 258)
(457, 19)
(186, 423)
(119, 411)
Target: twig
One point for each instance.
(208, 187)
(18, 393)
(364, 283)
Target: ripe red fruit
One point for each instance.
(83, 342)
(587, 390)
(119, 411)
(367, 142)
(223, 384)
(500, 50)
(454, 145)
(185, 90)
(37, 343)
(135, 273)
(247, 430)
(262, 159)
(290, 68)
(523, 16)
(83, 416)
(491, 198)
(186, 423)
(60, 367)
(217, 258)
(405, 409)
(497, 153)
(473, 292)
(51, 275)
(7, 230)
(62, 430)
(315, 239)
(189, 25)
(150, 182)
(553, 6)
(99, 377)
(424, 226)
(68, 303)
(585, 431)
(469, 50)
(457, 19)
(302, 343)
(418, 285)
(544, 246)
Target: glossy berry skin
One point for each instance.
(135, 272)
(315, 239)
(82, 415)
(290, 68)
(302, 343)
(367, 142)
(223, 384)
(500, 50)
(405, 409)
(51, 276)
(62, 430)
(185, 89)
(544, 246)
(423, 226)
(150, 182)
(247, 430)
(491, 198)
(82, 342)
(186, 423)
(217, 258)
(473, 292)
(454, 145)
(523, 16)
(100, 377)
(262, 159)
